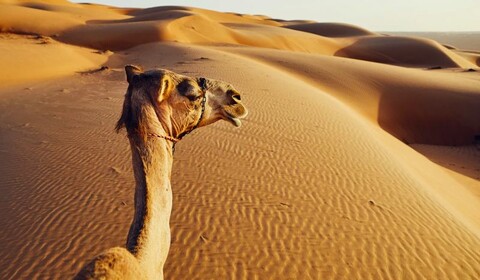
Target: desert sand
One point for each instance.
(359, 159)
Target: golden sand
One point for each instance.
(358, 159)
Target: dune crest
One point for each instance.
(331, 29)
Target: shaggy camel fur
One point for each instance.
(160, 107)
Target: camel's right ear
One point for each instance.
(132, 71)
(165, 87)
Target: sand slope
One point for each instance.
(334, 174)
(36, 57)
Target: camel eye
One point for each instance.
(194, 97)
(189, 91)
(183, 87)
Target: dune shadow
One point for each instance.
(145, 26)
(331, 30)
(158, 16)
(36, 6)
(430, 116)
(158, 9)
(116, 36)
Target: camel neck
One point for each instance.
(149, 236)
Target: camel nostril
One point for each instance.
(237, 97)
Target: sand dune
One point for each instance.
(32, 58)
(337, 171)
(193, 26)
(473, 57)
(455, 40)
(410, 106)
(404, 51)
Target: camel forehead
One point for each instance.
(157, 74)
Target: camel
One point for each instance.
(160, 108)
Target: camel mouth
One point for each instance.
(233, 113)
(235, 120)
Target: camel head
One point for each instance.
(223, 103)
(161, 100)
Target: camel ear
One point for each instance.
(132, 71)
(165, 87)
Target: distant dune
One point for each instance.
(360, 158)
(460, 40)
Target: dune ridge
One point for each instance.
(359, 159)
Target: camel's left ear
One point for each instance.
(132, 71)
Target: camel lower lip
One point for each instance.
(236, 122)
